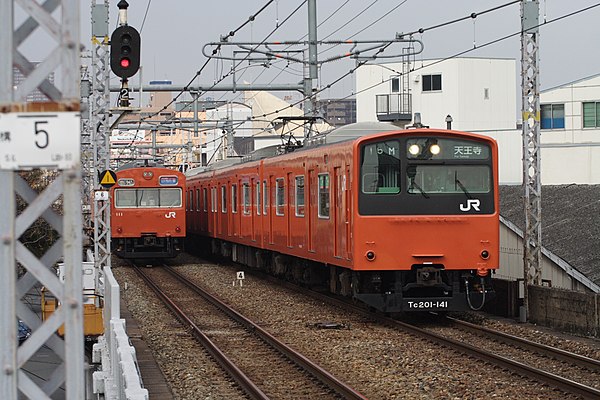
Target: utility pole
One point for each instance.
(44, 136)
(310, 104)
(532, 257)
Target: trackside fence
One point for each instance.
(119, 377)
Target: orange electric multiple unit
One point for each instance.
(402, 220)
(147, 212)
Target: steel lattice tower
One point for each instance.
(531, 145)
(100, 125)
(51, 126)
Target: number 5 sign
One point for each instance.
(36, 140)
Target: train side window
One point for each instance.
(323, 196)
(197, 199)
(213, 205)
(204, 199)
(265, 198)
(224, 199)
(300, 196)
(234, 199)
(258, 198)
(246, 198)
(279, 196)
(190, 203)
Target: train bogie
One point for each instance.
(401, 220)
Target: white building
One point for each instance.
(481, 96)
(570, 133)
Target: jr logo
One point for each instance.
(471, 203)
(170, 214)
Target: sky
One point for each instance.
(174, 33)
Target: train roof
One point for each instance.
(350, 132)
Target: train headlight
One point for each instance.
(485, 254)
(414, 149)
(177, 229)
(435, 149)
(147, 174)
(370, 255)
(119, 229)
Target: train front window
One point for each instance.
(148, 198)
(430, 179)
(380, 168)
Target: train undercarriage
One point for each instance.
(426, 287)
(148, 246)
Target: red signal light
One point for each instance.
(125, 62)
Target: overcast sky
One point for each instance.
(174, 32)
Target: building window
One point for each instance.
(432, 82)
(591, 114)
(395, 84)
(300, 196)
(246, 198)
(553, 116)
(279, 196)
(323, 195)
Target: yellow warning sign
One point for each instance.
(108, 178)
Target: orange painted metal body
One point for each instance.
(456, 241)
(146, 228)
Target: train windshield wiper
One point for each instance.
(414, 184)
(463, 188)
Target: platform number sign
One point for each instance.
(39, 140)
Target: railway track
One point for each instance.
(539, 374)
(260, 364)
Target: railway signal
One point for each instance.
(125, 46)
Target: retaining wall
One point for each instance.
(566, 310)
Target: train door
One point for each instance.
(289, 207)
(339, 228)
(310, 214)
(347, 187)
(271, 197)
(253, 197)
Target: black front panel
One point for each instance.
(426, 176)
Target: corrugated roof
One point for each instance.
(570, 222)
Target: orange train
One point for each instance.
(147, 212)
(402, 220)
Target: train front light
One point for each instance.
(177, 229)
(414, 149)
(435, 149)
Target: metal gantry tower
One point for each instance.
(532, 245)
(44, 136)
(100, 125)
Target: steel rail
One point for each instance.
(230, 368)
(558, 354)
(303, 362)
(524, 370)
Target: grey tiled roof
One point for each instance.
(570, 222)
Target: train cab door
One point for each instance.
(253, 196)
